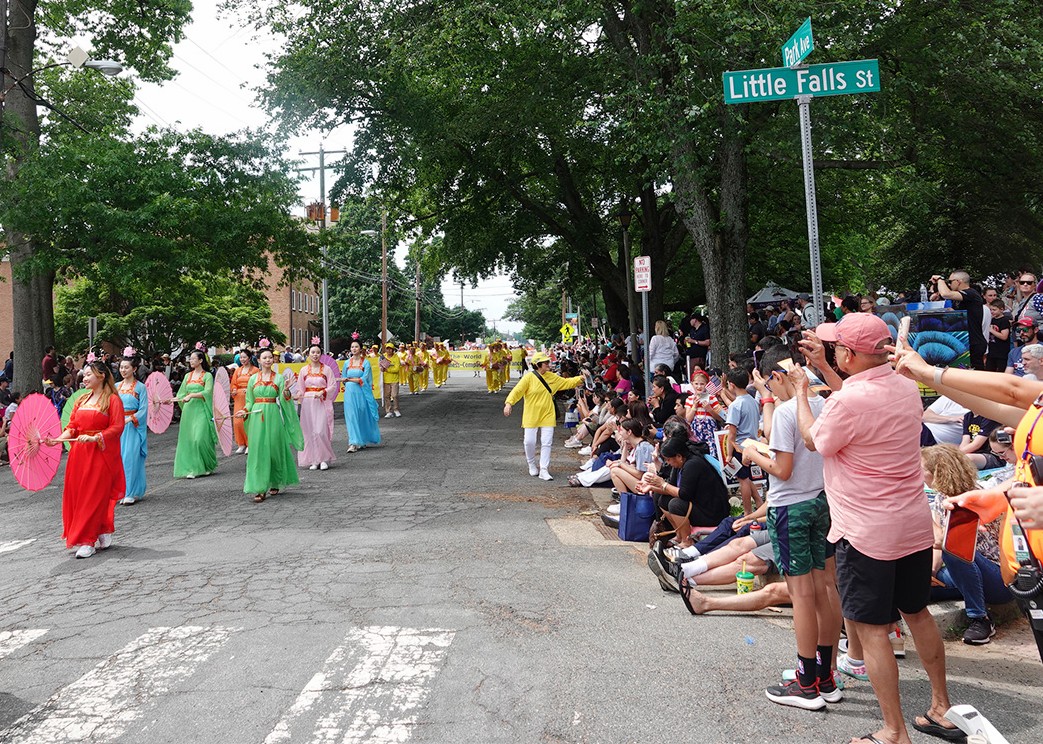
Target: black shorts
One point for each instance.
(875, 592)
(742, 473)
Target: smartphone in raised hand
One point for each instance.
(903, 334)
(961, 534)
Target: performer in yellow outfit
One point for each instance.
(391, 364)
(409, 362)
(488, 362)
(505, 364)
(373, 357)
(440, 365)
(425, 363)
(537, 389)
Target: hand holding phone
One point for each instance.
(961, 534)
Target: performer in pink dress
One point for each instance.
(317, 387)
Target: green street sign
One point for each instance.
(780, 83)
(799, 45)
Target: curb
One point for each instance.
(952, 622)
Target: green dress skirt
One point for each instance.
(271, 428)
(197, 436)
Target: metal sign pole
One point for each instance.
(644, 316)
(804, 105)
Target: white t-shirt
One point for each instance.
(806, 481)
(947, 433)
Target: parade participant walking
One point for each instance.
(318, 386)
(881, 520)
(441, 364)
(538, 388)
(423, 367)
(272, 427)
(489, 364)
(94, 479)
(373, 359)
(134, 441)
(391, 364)
(196, 453)
(239, 382)
(409, 364)
(360, 409)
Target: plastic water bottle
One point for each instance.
(923, 293)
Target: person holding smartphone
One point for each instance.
(1014, 402)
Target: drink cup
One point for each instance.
(743, 582)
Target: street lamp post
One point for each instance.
(383, 276)
(624, 221)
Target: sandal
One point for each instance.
(273, 492)
(686, 597)
(871, 739)
(258, 498)
(933, 728)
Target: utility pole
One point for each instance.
(416, 322)
(383, 279)
(323, 224)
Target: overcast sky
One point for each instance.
(219, 63)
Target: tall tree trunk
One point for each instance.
(32, 296)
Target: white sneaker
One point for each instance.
(587, 465)
(104, 541)
(246, 451)
(585, 450)
(128, 500)
(324, 466)
(313, 467)
(544, 475)
(85, 551)
(389, 414)
(398, 414)
(572, 444)
(534, 471)
(241, 450)
(190, 477)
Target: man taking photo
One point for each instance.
(965, 297)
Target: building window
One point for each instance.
(293, 299)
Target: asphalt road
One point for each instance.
(427, 590)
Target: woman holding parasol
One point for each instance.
(272, 427)
(240, 380)
(134, 441)
(318, 386)
(94, 479)
(196, 453)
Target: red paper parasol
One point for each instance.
(222, 381)
(33, 462)
(223, 421)
(160, 413)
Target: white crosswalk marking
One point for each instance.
(12, 640)
(369, 690)
(8, 545)
(103, 703)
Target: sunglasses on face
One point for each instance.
(1026, 282)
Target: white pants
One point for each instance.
(546, 435)
(590, 477)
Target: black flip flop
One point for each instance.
(686, 597)
(933, 728)
(871, 739)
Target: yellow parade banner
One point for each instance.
(466, 359)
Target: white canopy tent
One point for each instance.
(771, 294)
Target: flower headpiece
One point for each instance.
(355, 335)
(264, 343)
(91, 358)
(200, 346)
(315, 340)
(129, 351)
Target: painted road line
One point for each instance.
(370, 689)
(12, 640)
(105, 702)
(9, 545)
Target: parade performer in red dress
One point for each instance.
(94, 479)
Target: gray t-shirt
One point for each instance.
(744, 414)
(806, 481)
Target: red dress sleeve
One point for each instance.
(110, 436)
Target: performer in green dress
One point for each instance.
(197, 437)
(272, 427)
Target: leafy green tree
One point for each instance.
(137, 34)
(219, 310)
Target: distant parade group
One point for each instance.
(280, 421)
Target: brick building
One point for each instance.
(296, 307)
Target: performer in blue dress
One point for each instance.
(134, 440)
(360, 408)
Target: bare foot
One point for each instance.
(883, 736)
(699, 601)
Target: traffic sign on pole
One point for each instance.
(780, 83)
(799, 45)
(642, 274)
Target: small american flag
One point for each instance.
(714, 386)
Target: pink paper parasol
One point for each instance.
(291, 381)
(160, 413)
(221, 380)
(331, 363)
(223, 421)
(33, 462)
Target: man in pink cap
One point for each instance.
(868, 435)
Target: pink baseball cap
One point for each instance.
(860, 332)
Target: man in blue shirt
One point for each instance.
(1026, 330)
